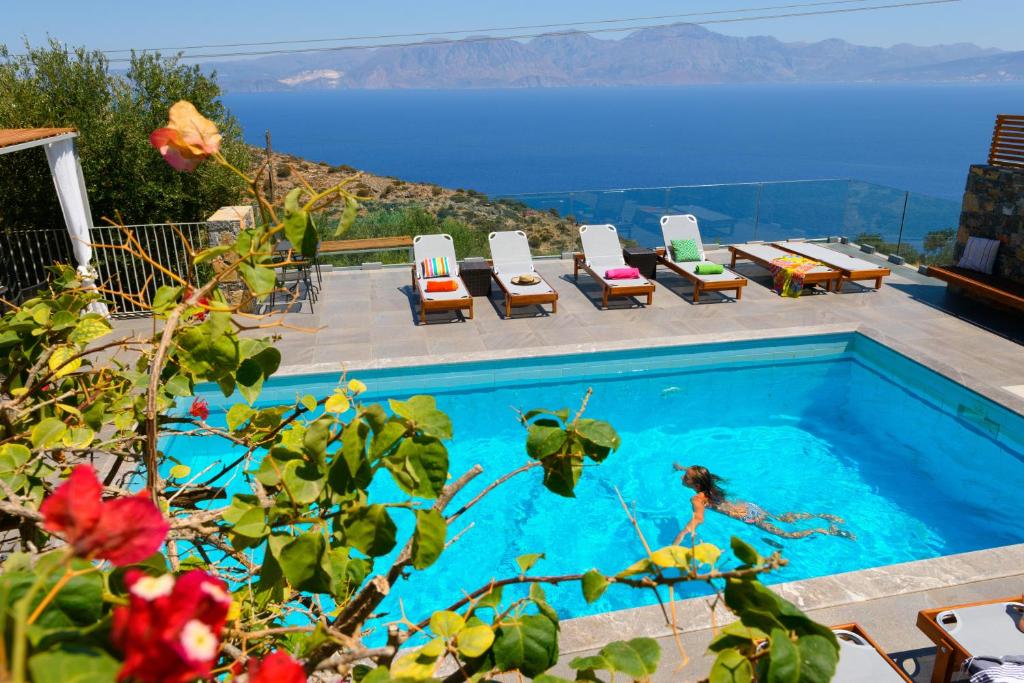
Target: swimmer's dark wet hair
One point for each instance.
(704, 482)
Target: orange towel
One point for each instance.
(442, 285)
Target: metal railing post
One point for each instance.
(903, 218)
(757, 209)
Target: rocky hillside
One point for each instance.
(671, 55)
(397, 207)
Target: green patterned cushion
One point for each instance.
(685, 250)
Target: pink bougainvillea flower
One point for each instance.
(170, 630)
(277, 667)
(200, 408)
(188, 138)
(122, 530)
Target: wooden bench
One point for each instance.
(999, 290)
(365, 246)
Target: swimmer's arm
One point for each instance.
(697, 502)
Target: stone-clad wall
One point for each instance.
(994, 208)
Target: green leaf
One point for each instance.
(261, 280)
(423, 413)
(48, 432)
(527, 561)
(78, 603)
(371, 530)
(302, 561)
(446, 624)
(337, 403)
(303, 481)
(637, 658)
(544, 438)
(207, 255)
(13, 456)
(783, 659)
(385, 439)
(490, 599)
(745, 552)
(599, 438)
(736, 635)
(166, 297)
(238, 415)
(561, 473)
(562, 414)
(252, 524)
(419, 466)
(527, 643)
(348, 216)
(818, 659)
(594, 585)
(308, 402)
(672, 556)
(731, 667)
(347, 573)
(428, 539)
(474, 641)
(91, 327)
(298, 227)
(254, 370)
(73, 664)
(178, 386)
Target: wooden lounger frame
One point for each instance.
(513, 300)
(875, 274)
(856, 628)
(997, 290)
(427, 306)
(833, 276)
(700, 285)
(949, 654)
(579, 260)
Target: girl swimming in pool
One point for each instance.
(711, 496)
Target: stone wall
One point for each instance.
(994, 208)
(223, 227)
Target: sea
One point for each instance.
(912, 137)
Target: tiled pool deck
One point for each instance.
(367, 319)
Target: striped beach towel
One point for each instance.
(1008, 669)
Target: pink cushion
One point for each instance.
(622, 273)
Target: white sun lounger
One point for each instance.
(862, 661)
(764, 254)
(510, 257)
(851, 268)
(989, 628)
(684, 227)
(602, 251)
(438, 246)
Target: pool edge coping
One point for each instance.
(993, 392)
(581, 634)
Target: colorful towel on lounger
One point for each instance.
(788, 274)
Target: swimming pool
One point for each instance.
(919, 466)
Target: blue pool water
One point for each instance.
(917, 465)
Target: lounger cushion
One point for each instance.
(436, 267)
(979, 255)
(505, 279)
(861, 663)
(685, 250)
(987, 629)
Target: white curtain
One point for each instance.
(74, 202)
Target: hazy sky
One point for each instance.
(106, 24)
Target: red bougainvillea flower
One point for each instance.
(188, 138)
(200, 408)
(277, 667)
(170, 630)
(203, 301)
(122, 530)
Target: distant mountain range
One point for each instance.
(675, 55)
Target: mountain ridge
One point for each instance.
(679, 54)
